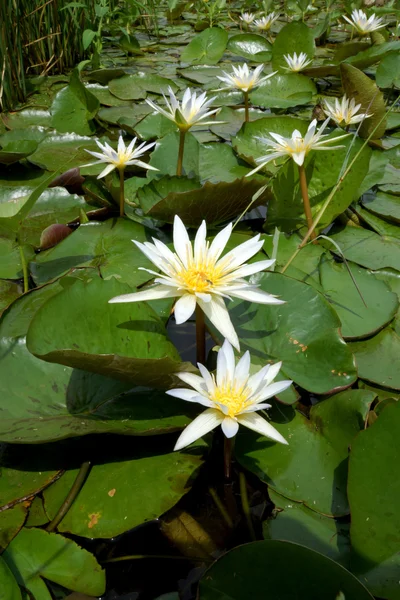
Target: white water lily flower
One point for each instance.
(243, 78)
(344, 111)
(232, 397)
(296, 62)
(199, 276)
(120, 158)
(297, 146)
(264, 23)
(362, 23)
(247, 18)
(191, 111)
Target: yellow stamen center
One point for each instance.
(199, 278)
(234, 399)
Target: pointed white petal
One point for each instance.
(256, 295)
(106, 171)
(190, 396)
(257, 423)
(184, 308)
(218, 314)
(206, 375)
(273, 390)
(182, 244)
(155, 293)
(219, 242)
(229, 355)
(196, 382)
(242, 370)
(247, 270)
(201, 425)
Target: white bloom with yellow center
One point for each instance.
(297, 146)
(191, 111)
(344, 111)
(232, 397)
(362, 23)
(247, 18)
(199, 276)
(244, 78)
(264, 23)
(120, 158)
(296, 62)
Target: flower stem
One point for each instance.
(245, 505)
(72, 494)
(121, 193)
(306, 201)
(228, 449)
(200, 336)
(182, 134)
(24, 267)
(246, 107)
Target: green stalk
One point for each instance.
(72, 494)
(246, 107)
(306, 200)
(200, 336)
(182, 134)
(121, 192)
(24, 266)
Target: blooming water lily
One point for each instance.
(264, 23)
(344, 111)
(362, 23)
(243, 78)
(122, 157)
(232, 397)
(198, 276)
(247, 18)
(296, 62)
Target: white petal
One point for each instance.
(219, 242)
(182, 244)
(227, 351)
(190, 396)
(298, 157)
(106, 171)
(218, 314)
(242, 370)
(247, 270)
(256, 380)
(194, 381)
(274, 389)
(241, 253)
(257, 423)
(209, 381)
(229, 427)
(200, 243)
(184, 308)
(256, 295)
(201, 425)
(155, 293)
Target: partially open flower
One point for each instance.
(244, 78)
(362, 23)
(297, 146)
(120, 158)
(296, 62)
(232, 397)
(197, 275)
(191, 111)
(344, 112)
(247, 18)
(265, 23)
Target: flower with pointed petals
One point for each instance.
(296, 62)
(264, 23)
(362, 23)
(120, 158)
(197, 275)
(232, 397)
(297, 146)
(244, 78)
(191, 111)
(344, 112)
(247, 18)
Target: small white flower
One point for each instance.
(120, 158)
(264, 23)
(362, 24)
(232, 397)
(296, 62)
(296, 146)
(247, 18)
(191, 111)
(199, 276)
(344, 112)
(244, 78)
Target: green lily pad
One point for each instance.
(9, 291)
(11, 521)
(284, 91)
(35, 555)
(261, 570)
(154, 126)
(358, 320)
(378, 359)
(293, 37)
(74, 108)
(387, 73)
(109, 504)
(203, 74)
(124, 114)
(135, 87)
(106, 246)
(16, 151)
(312, 468)
(380, 226)
(373, 54)
(10, 589)
(63, 152)
(206, 47)
(375, 515)
(105, 97)
(384, 205)
(294, 522)
(130, 344)
(232, 121)
(27, 118)
(368, 249)
(316, 358)
(251, 46)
